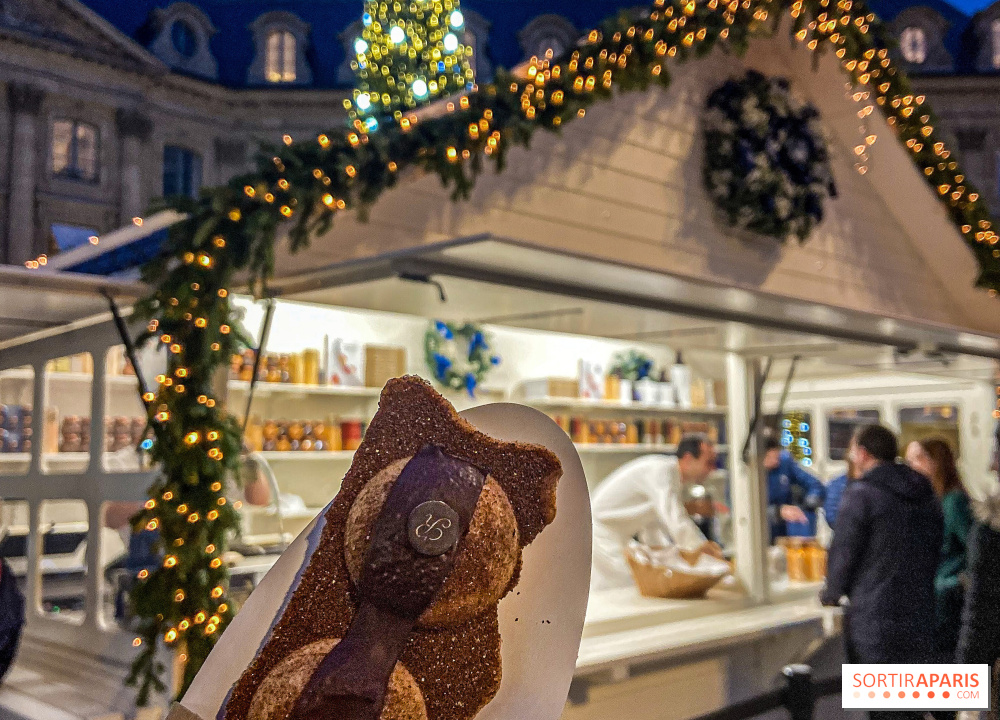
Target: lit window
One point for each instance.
(995, 43)
(184, 39)
(181, 171)
(74, 150)
(280, 56)
(913, 43)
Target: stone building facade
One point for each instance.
(109, 105)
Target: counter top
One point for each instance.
(623, 628)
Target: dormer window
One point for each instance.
(995, 44)
(547, 34)
(913, 44)
(182, 39)
(280, 39)
(280, 56)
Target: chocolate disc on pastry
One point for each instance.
(427, 518)
(484, 567)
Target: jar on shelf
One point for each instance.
(284, 367)
(270, 433)
(246, 367)
(351, 432)
(796, 553)
(296, 433)
(334, 436)
(319, 436)
(273, 369)
(255, 433)
(815, 557)
(284, 443)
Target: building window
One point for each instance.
(74, 150)
(995, 43)
(184, 38)
(181, 171)
(280, 56)
(913, 43)
(551, 44)
(547, 34)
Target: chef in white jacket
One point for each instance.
(643, 498)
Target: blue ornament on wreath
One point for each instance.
(458, 355)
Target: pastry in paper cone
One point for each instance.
(417, 550)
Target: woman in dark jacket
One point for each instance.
(934, 459)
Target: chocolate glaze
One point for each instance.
(396, 586)
(457, 667)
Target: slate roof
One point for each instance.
(232, 46)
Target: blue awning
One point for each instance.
(117, 252)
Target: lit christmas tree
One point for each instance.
(408, 54)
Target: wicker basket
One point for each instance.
(660, 582)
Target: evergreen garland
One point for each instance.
(299, 187)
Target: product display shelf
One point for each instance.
(627, 448)
(25, 374)
(269, 388)
(51, 462)
(582, 404)
(306, 455)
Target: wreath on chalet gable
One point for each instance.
(766, 163)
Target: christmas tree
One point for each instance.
(408, 54)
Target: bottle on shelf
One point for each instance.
(255, 433)
(680, 378)
(310, 366)
(334, 437)
(295, 372)
(351, 433)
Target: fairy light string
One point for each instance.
(301, 184)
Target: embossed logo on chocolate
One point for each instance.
(433, 528)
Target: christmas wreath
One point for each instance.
(766, 162)
(458, 355)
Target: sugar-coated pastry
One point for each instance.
(281, 688)
(417, 550)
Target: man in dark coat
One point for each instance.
(885, 551)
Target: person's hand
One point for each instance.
(793, 514)
(713, 549)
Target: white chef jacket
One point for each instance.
(642, 497)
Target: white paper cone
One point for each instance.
(541, 621)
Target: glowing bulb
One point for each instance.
(451, 42)
(371, 124)
(360, 46)
(397, 35)
(457, 20)
(420, 88)
(366, 19)
(364, 101)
